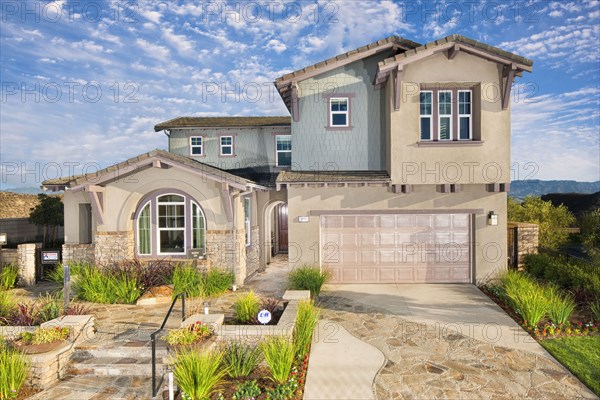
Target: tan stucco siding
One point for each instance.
(487, 163)
(490, 241)
(71, 203)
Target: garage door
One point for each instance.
(397, 248)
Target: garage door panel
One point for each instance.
(402, 248)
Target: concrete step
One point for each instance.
(114, 366)
(123, 350)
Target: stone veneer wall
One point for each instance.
(112, 247)
(527, 238)
(10, 256)
(26, 262)
(78, 253)
(252, 253)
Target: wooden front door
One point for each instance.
(282, 224)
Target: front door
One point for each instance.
(282, 224)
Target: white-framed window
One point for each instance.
(426, 106)
(464, 115)
(338, 111)
(170, 224)
(247, 225)
(226, 145)
(283, 150)
(445, 115)
(144, 231)
(196, 146)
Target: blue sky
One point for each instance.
(84, 82)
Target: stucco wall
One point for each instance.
(252, 146)
(490, 241)
(359, 148)
(487, 163)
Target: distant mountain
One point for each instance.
(535, 187)
(24, 190)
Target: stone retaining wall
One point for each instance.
(78, 253)
(527, 240)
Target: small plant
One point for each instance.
(526, 297)
(7, 306)
(246, 307)
(216, 281)
(240, 359)
(77, 309)
(199, 374)
(50, 306)
(45, 335)
(107, 286)
(126, 288)
(283, 391)
(306, 321)
(186, 278)
(308, 277)
(13, 371)
(279, 355)
(187, 335)
(248, 390)
(560, 306)
(24, 315)
(9, 276)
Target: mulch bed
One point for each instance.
(275, 317)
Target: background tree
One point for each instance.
(589, 223)
(49, 214)
(552, 220)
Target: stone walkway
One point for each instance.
(436, 363)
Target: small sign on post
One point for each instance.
(67, 285)
(264, 317)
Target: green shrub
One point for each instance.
(279, 356)
(560, 305)
(13, 371)
(50, 306)
(9, 276)
(240, 359)
(216, 281)
(306, 321)
(246, 307)
(106, 286)
(57, 274)
(199, 374)
(248, 390)
(595, 310)
(186, 278)
(45, 335)
(308, 277)
(526, 297)
(7, 305)
(187, 335)
(126, 288)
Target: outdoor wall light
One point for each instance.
(492, 219)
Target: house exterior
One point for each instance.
(392, 168)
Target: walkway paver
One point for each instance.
(430, 361)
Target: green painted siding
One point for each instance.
(252, 146)
(360, 148)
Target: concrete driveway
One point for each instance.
(427, 341)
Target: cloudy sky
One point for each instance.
(84, 82)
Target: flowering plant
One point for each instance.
(187, 335)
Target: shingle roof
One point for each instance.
(459, 39)
(222, 122)
(126, 166)
(389, 41)
(332, 176)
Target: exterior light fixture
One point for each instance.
(492, 219)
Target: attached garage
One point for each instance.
(397, 248)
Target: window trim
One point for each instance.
(450, 116)
(201, 146)
(221, 146)
(346, 113)
(428, 116)
(459, 115)
(137, 228)
(277, 151)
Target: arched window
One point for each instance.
(169, 224)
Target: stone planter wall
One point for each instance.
(254, 333)
(527, 240)
(47, 368)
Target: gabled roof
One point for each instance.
(222, 122)
(155, 158)
(453, 44)
(284, 83)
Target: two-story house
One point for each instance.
(393, 167)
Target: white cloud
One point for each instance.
(181, 43)
(153, 50)
(275, 45)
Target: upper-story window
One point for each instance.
(196, 146)
(283, 150)
(464, 115)
(426, 113)
(446, 114)
(338, 111)
(226, 145)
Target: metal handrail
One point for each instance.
(153, 337)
